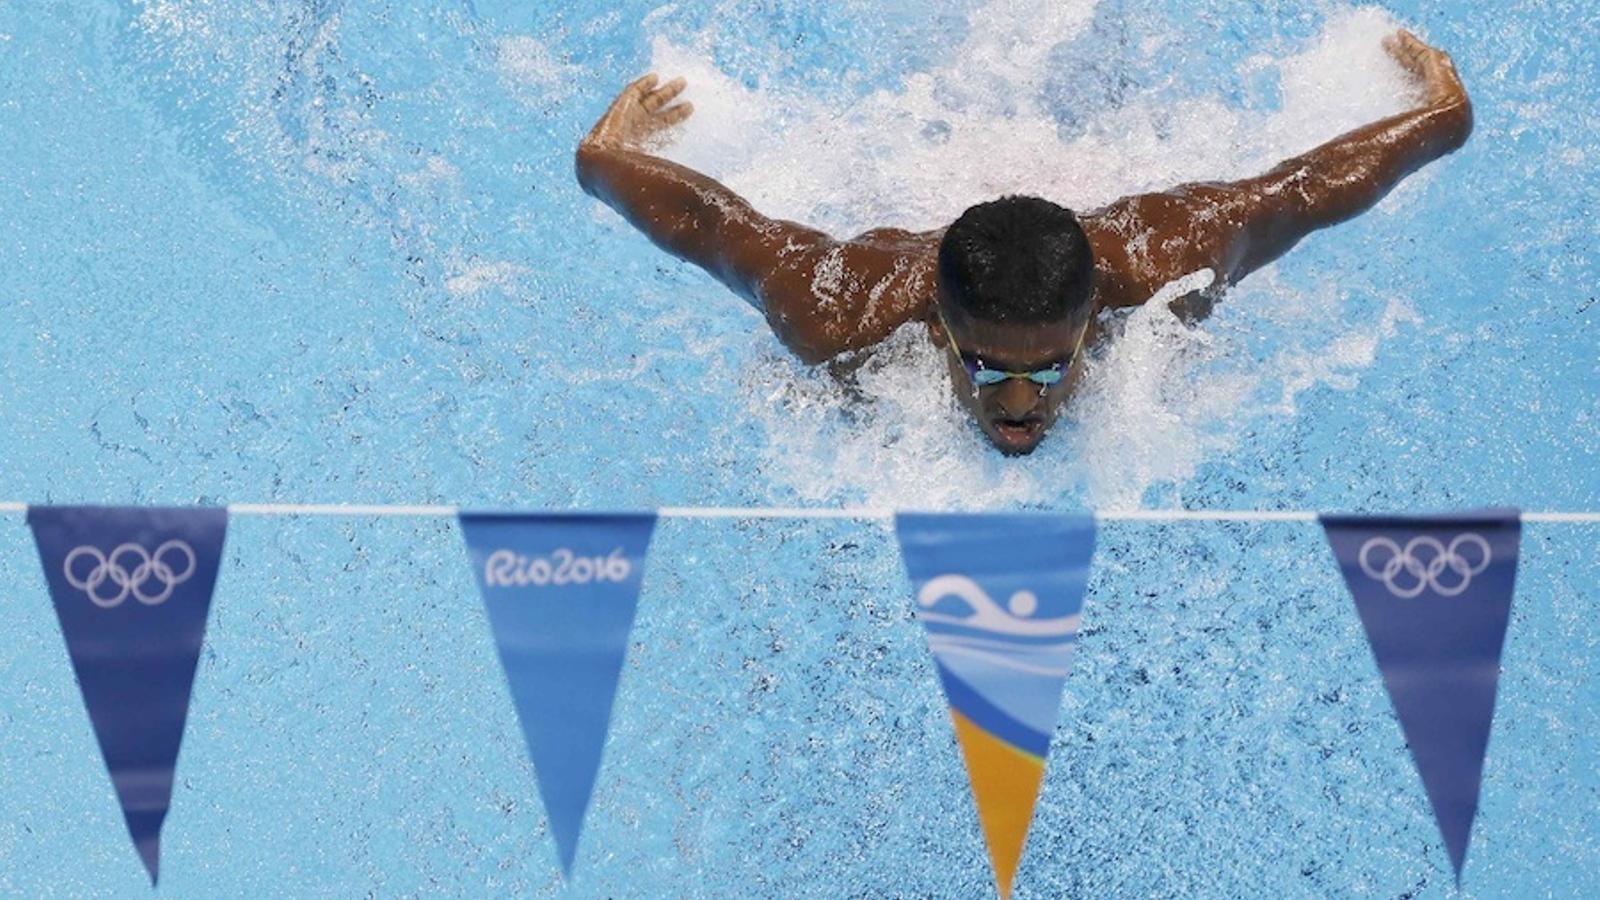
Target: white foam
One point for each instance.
(1164, 397)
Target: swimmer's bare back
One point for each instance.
(825, 296)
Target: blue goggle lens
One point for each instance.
(988, 377)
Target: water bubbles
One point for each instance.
(1037, 97)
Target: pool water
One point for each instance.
(334, 252)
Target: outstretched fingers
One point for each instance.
(676, 114)
(658, 98)
(641, 86)
(1401, 44)
(640, 114)
(657, 102)
(1412, 53)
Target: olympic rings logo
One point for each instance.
(1425, 562)
(160, 567)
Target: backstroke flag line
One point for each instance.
(1434, 594)
(1000, 597)
(132, 589)
(561, 591)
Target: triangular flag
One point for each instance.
(1434, 594)
(1000, 597)
(561, 590)
(132, 590)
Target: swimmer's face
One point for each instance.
(1014, 414)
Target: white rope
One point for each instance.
(339, 509)
(1205, 515)
(778, 512)
(1575, 517)
(772, 512)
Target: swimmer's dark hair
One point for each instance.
(1017, 259)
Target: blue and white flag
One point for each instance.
(561, 590)
(1434, 594)
(132, 589)
(1002, 661)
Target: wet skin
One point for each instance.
(1014, 414)
(880, 280)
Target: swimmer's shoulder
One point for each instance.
(1120, 238)
(905, 263)
(902, 241)
(1145, 241)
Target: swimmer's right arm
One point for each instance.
(821, 296)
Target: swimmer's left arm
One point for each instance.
(1238, 227)
(1350, 174)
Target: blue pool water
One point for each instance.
(333, 252)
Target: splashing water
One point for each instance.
(1033, 97)
(1160, 398)
(326, 250)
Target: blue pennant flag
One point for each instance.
(561, 590)
(132, 589)
(1000, 597)
(1434, 594)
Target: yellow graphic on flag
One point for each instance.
(1001, 599)
(1005, 785)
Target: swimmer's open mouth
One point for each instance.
(1019, 432)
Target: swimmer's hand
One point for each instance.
(640, 117)
(1430, 65)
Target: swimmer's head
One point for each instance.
(1016, 294)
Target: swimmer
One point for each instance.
(1010, 290)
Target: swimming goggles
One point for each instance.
(983, 376)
